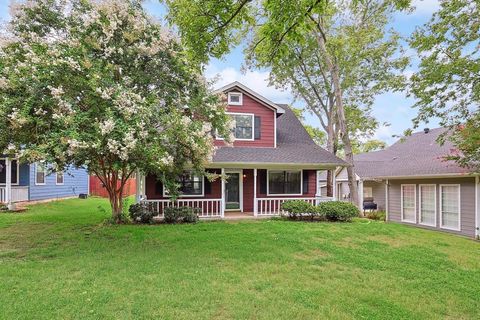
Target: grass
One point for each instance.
(60, 261)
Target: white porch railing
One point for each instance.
(209, 208)
(272, 206)
(19, 193)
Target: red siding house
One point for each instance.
(272, 159)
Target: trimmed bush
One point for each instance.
(338, 210)
(180, 214)
(299, 208)
(141, 213)
(376, 215)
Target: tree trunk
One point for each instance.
(115, 193)
(334, 73)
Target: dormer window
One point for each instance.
(235, 98)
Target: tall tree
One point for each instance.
(335, 55)
(100, 84)
(447, 84)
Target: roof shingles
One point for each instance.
(416, 155)
(294, 146)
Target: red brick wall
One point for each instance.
(97, 188)
(267, 123)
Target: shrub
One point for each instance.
(299, 208)
(141, 213)
(180, 214)
(338, 210)
(3, 207)
(376, 215)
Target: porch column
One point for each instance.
(386, 200)
(477, 207)
(8, 184)
(360, 194)
(138, 186)
(222, 213)
(334, 183)
(255, 204)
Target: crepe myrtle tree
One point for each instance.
(100, 84)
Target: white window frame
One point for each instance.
(44, 174)
(284, 194)
(56, 178)
(459, 207)
(415, 202)
(253, 125)
(367, 188)
(18, 172)
(240, 98)
(166, 195)
(420, 204)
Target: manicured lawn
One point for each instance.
(59, 261)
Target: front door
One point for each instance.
(232, 191)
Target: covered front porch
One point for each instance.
(13, 187)
(242, 193)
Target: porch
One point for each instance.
(242, 193)
(18, 194)
(13, 184)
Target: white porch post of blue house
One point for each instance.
(8, 184)
(334, 184)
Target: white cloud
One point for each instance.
(425, 7)
(255, 80)
(385, 133)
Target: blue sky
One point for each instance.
(393, 108)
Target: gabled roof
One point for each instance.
(415, 155)
(294, 147)
(252, 94)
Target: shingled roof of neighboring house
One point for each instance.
(294, 146)
(415, 155)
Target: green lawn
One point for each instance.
(59, 261)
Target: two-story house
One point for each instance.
(272, 159)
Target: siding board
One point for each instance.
(467, 202)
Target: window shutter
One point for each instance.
(305, 181)
(258, 127)
(207, 185)
(159, 188)
(262, 177)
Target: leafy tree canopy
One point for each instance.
(100, 84)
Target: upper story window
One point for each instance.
(243, 126)
(13, 169)
(190, 185)
(235, 98)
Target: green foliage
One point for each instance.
(376, 215)
(181, 214)
(338, 210)
(368, 146)
(446, 85)
(105, 86)
(3, 207)
(141, 213)
(298, 208)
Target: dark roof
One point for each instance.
(417, 155)
(294, 146)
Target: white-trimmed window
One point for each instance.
(284, 182)
(59, 178)
(408, 202)
(190, 185)
(14, 169)
(367, 192)
(235, 98)
(243, 126)
(450, 206)
(40, 173)
(428, 204)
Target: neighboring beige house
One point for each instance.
(415, 185)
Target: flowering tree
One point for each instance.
(100, 84)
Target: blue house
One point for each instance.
(29, 182)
